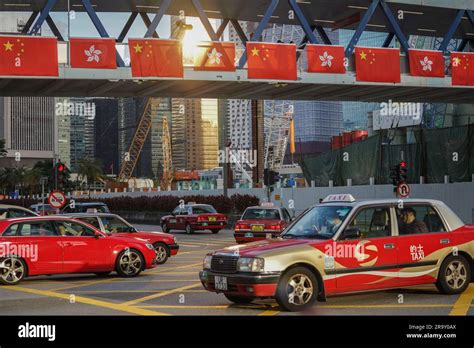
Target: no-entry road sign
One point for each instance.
(57, 199)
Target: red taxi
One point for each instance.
(165, 244)
(56, 245)
(194, 217)
(344, 246)
(260, 222)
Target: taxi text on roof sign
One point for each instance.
(268, 204)
(339, 198)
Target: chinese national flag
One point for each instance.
(215, 56)
(377, 64)
(271, 61)
(93, 53)
(325, 59)
(28, 56)
(462, 68)
(426, 63)
(156, 57)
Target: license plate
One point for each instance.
(258, 228)
(248, 235)
(220, 283)
(212, 218)
(172, 221)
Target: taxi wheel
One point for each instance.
(297, 289)
(215, 231)
(454, 275)
(129, 263)
(12, 270)
(165, 228)
(162, 253)
(189, 229)
(239, 299)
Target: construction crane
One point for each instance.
(278, 113)
(144, 123)
(167, 177)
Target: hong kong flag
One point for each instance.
(28, 56)
(426, 63)
(325, 59)
(215, 56)
(156, 57)
(271, 61)
(377, 64)
(462, 68)
(93, 53)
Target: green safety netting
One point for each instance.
(436, 153)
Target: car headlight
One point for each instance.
(250, 264)
(206, 263)
(150, 246)
(175, 240)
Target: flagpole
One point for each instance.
(68, 33)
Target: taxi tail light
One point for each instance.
(202, 218)
(240, 226)
(278, 227)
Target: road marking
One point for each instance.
(173, 268)
(184, 307)
(161, 294)
(81, 299)
(189, 245)
(93, 282)
(461, 306)
(387, 306)
(269, 313)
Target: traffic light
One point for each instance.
(270, 177)
(60, 173)
(398, 173)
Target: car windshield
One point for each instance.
(321, 222)
(203, 209)
(261, 214)
(114, 225)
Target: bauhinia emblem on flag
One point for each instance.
(325, 59)
(377, 64)
(462, 68)
(156, 57)
(271, 61)
(28, 56)
(214, 56)
(426, 63)
(93, 53)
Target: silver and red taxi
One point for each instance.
(193, 217)
(260, 222)
(165, 244)
(50, 245)
(344, 246)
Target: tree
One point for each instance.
(3, 151)
(91, 171)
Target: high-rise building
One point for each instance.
(106, 142)
(29, 128)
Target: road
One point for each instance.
(174, 289)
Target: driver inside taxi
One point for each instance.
(334, 221)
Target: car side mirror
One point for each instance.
(98, 235)
(351, 233)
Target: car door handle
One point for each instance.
(444, 241)
(389, 246)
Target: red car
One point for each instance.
(194, 217)
(261, 222)
(345, 246)
(165, 244)
(57, 245)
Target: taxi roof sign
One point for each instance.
(339, 198)
(268, 204)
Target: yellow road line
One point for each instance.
(461, 306)
(93, 282)
(268, 313)
(161, 294)
(86, 300)
(173, 268)
(184, 307)
(387, 306)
